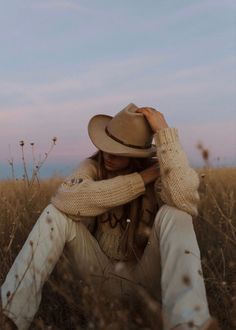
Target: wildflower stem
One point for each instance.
(24, 162)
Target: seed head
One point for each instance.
(200, 272)
(186, 280)
(54, 139)
(191, 324)
(205, 154)
(22, 143)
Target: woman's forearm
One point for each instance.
(179, 181)
(90, 198)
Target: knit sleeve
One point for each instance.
(82, 195)
(179, 182)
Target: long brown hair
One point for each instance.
(127, 244)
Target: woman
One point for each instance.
(125, 217)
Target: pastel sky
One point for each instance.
(63, 61)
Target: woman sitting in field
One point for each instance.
(121, 207)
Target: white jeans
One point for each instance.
(170, 266)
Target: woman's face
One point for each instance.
(115, 163)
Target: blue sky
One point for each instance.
(62, 61)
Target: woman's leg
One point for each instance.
(172, 258)
(21, 291)
(95, 267)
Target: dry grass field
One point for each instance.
(67, 304)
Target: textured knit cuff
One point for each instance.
(137, 183)
(165, 136)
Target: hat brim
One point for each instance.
(97, 133)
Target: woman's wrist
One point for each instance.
(150, 174)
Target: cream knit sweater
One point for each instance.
(82, 196)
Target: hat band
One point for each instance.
(126, 144)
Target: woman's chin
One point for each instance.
(110, 168)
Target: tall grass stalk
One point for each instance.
(69, 303)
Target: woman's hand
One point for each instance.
(155, 118)
(150, 174)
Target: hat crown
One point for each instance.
(130, 127)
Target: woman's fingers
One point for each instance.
(147, 110)
(155, 118)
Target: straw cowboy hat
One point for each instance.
(126, 134)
